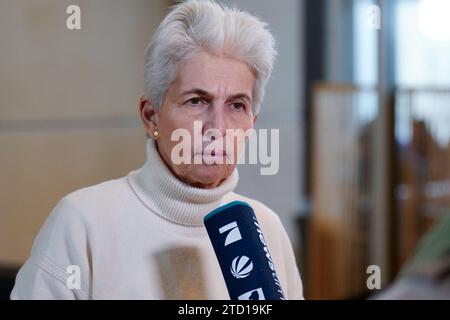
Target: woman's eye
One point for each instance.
(238, 106)
(194, 101)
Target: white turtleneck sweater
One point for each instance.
(141, 237)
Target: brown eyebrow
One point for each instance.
(204, 93)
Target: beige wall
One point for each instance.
(68, 105)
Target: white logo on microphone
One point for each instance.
(233, 235)
(256, 294)
(241, 267)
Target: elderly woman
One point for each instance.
(142, 236)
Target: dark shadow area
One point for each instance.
(7, 276)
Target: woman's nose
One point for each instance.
(215, 123)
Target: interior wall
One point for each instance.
(68, 105)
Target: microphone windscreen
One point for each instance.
(242, 252)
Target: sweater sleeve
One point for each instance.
(292, 286)
(59, 265)
(36, 282)
(294, 290)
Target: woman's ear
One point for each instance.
(149, 115)
(254, 120)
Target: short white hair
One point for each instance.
(196, 25)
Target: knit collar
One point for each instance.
(172, 199)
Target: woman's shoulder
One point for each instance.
(264, 214)
(87, 206)
(79, 211)
(101, 197)
(110, 190)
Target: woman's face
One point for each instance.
(216, 91)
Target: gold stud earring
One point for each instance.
(155, 133)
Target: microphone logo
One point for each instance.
(241, 267)
(256, 294)
(233, 235)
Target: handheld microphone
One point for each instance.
(242, 252)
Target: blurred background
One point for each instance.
(360, 93)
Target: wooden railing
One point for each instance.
(342, 181)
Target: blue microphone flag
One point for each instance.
(242, 252)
